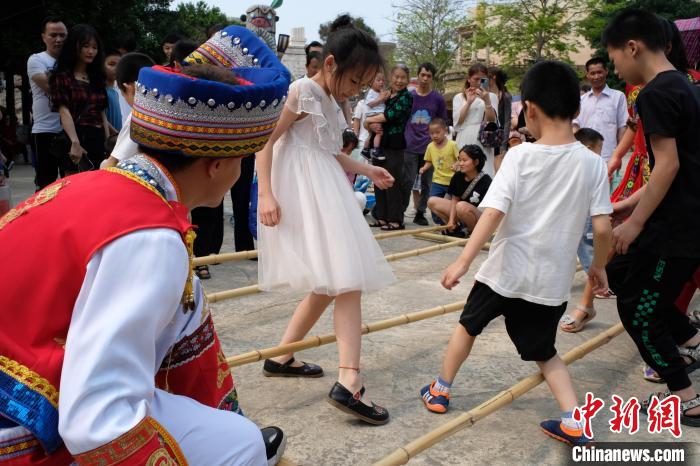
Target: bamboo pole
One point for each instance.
(320, 340)
(253, 289)
(403, 454)
(234, 293)
(436, 238)
(226, 257)
(243, 255)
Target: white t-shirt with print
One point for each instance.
(45, 121)
(547, 193)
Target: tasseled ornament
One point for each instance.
(188, 294)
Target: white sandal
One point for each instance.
(568, 320)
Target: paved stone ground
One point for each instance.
(398, 362)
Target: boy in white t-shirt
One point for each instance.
(127, 73)
(527, 276)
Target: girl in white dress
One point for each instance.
(470, 108)
(312, 236)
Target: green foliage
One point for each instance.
(427, 31)
(592, 26)
(357, 21)
(523, 31)
(147, 20)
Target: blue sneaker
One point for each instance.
(557, 430)
(435, 401)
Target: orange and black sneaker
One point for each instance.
(557, 430)
(435, 401)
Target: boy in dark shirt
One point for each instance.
(657, 246)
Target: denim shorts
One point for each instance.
(585, 246)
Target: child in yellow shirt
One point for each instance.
(441, 153)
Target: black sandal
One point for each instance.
(390, 227)
(691, 420)
(341, 398)
(274, 369)
(202, 272)
(377, 224)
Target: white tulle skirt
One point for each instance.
(322, 243)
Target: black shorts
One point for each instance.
(532, 327)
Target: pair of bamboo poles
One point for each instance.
(403, 454)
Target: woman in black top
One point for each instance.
(389, 208)
(77, 91)
(467, 188)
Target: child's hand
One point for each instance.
(598, 279)
(422, 170)
(451, 225)
(625, 234)
(614, 164)
(381, 178)
(384, 95)
(269, 210)
(452, 274)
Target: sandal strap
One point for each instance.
(690, 404)
(692, 353)
(356, 369)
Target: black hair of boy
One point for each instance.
(314, 56)
(631, 24)
(129, 66)
(427, 66)
(588, 137)
(313, 43)
(437, 121)
(475, 152)
(350, 139)
(172, 38)
(595, 61)
(554, 87)
(181, 50)
(110, 52)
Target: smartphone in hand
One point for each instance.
(485, 84)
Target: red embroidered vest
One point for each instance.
(47, 242)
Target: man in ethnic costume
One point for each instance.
(118, 323)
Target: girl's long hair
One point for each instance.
(78, 36)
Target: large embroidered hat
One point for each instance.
(182, 115)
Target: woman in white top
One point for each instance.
(472, 106)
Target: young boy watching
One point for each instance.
(442, 154)
(127, 72)
(584, 311)
(657, 246)
(527, 275)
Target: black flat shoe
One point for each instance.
(275, 369)
(341, 398)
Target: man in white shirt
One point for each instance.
(46, 123)
(602, 109)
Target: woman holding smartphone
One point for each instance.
(474, 105)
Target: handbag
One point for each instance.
(490, 134)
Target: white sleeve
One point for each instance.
(502, 189)
(359, 110)
(576, 120)
(131, 290)
(34, 66)
(125, 148)
(621, 111)
(600, 198)
(457, 103)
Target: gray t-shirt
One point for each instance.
(45, 121)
